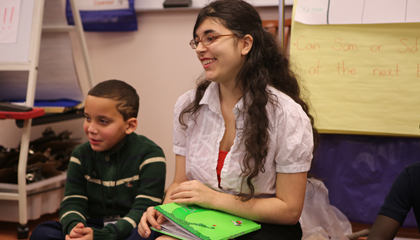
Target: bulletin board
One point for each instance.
(361, 78)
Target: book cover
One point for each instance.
(195, 222)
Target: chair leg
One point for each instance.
(22, 231)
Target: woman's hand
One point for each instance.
(150, 217)
(194, 192)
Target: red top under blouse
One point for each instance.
(220, 162)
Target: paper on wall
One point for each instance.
(9, 20)
(87, 5)
(361, 78)
(357, 11)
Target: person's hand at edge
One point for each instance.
(150, 218)
(74, 233)
(193, 192)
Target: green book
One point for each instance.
(194, 222)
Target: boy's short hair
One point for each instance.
(125, 95)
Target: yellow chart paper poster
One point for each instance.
(362, 78)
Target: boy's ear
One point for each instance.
(131, 125)
(248, 41)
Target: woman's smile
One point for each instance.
(207, 62)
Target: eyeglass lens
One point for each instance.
(206, 40)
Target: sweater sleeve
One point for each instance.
(73, 208)
(152, 174)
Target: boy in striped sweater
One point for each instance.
(114, 177)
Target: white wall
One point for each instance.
(156, 60)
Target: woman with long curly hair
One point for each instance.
(244, 138)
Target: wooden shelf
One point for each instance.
(54, 117)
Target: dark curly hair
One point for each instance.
(266, 64)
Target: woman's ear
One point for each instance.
(248, 41)
(131, 125)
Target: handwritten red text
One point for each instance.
(314, 69)
(408, 48)
(342, 69)
(375, 48)
(343, 46)
(386, 72)
(309, 46)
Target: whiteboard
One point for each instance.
(56, 75)
(19, 52)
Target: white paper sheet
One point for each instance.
(9, 20)
(357, 11)
(88, 5)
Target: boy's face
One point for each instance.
(104, 125)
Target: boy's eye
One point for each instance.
(87, 118)
(103, 121)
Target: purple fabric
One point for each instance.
(358, 171)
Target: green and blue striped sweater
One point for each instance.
(122, 182)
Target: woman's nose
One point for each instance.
(200, 48)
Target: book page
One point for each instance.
(173, 229)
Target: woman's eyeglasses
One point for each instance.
(206, 40)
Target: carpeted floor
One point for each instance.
(8, 230)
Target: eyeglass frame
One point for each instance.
(194, 43)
